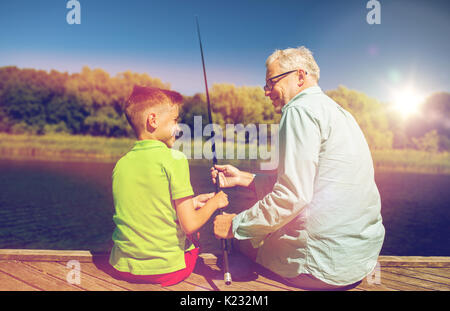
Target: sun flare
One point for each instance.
(407, 101)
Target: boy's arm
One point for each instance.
(192, 218)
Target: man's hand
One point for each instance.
(229, 176)
(223, 226)
(200, 200)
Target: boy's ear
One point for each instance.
(152, 120)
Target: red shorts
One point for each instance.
(166, 279)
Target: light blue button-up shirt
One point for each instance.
(322, 216)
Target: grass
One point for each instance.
(63, 147)
(60, 147)
(414, 161)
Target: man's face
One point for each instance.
(168, 125)
(284, 87)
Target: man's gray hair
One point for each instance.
(299, 58)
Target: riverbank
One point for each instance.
(59, 147)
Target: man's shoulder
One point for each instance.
(316, 104)
(302, 106)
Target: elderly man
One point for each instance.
(319, 226)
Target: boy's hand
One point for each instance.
(220, 200)
(229, 176)
(200, 200)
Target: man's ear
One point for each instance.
(152, 121)
(301, 77)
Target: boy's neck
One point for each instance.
(146, 136)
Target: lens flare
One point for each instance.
(407, 101)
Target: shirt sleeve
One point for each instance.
(264, 183)
(178, 173)
(300, 140)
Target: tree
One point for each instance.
(428, 142)
(432, 116)
(106, 122)
(369, 113)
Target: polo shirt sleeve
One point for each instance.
(300, 140)
(177, 169)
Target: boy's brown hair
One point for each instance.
(144, 97)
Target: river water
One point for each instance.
(68, 205)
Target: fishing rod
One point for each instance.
(227, 274)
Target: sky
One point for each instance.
(410, 46)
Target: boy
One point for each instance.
(152, 194)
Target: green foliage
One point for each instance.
(242, 105)
(106, 122)
(369, 113)
(432, 117)
(428, 142)
(90, 103)
(194, 106)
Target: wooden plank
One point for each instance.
(208, 258)
(266, 276)
(219, 284)
(45, 255)
(102, 270)
(441, 272)
(416, 273)
(102, 263)
(87, 256)
(92, 270)
(266, 279)
(414, 261)
(10, 283)
(34, 277)
(208, 269)
(402, 282)
(413, 278)
(395, 284)
(400, 286)
(421, 274)
(279, 285)
(87, 282)
(366, 286)
(212, 279)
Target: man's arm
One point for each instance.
(230, 176)
(299, 151)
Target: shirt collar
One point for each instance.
(311, 90)
(148, 144)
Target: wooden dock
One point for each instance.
(50, 270)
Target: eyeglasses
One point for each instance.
(270, 84)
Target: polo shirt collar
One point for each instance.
(311, 90)
(148, 144)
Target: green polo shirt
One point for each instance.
(148, 238)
